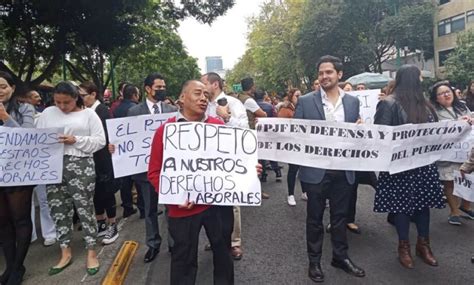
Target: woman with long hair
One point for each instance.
(287, 110)
(449, 107)
(469, 95)
(83, 135)
(15, 202)
(409, 194)
(105, 184)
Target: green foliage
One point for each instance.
(37, 34)
(289, 36)
(460, 63)
(271, 58)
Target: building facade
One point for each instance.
(452, 17)
(213, 63)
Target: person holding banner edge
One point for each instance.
(15, 202)
(449, 107)
(409, 194)
(155, 88)
(333, 104)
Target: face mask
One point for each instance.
(160, 95)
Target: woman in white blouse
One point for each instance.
(83, 135)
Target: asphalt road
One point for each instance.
(274, 247)
(275, 250)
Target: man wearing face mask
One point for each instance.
(155, 88)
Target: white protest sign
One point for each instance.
(368, 103)
(462, 149)
(463, 187)
(132, 137)
(30, 156)
(364, 147)
(209, 164)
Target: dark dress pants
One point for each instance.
(127, 197)
(337, 190)
(184, 257)
(150, 199)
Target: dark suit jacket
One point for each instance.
(102, 158)
(123, 107)
(310, 106)
(142, 109)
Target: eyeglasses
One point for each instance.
(445, 93)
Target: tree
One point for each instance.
(460, 63)
(38, 34)
(158, 48)
(365, 33)
(271, 58)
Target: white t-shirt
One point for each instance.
(85, 125)
(251, 105)
(238, 115)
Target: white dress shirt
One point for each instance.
(150, 104)
(238, 114)
(333, 112)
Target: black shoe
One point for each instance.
(101, 228)
(278, 175)
(391, 219)
(160, 212)
(4, 277)
(142, 215)
(127, 212)
(151, 254)
(315, 272)
(354, 230)
(348, 267)
(16, 277)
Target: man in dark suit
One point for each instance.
(131, 96)
(329, 103)
(155, 88)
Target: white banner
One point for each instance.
(30, 156)
(363, 147)
(368, 103)
(463, 187)
(132, 137)
(462, 149)
(209, 164)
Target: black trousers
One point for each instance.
(104, 200)
(361, 177)
(335, 188)
(184, 257)
(127, 197)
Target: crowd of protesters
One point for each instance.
(87, 192)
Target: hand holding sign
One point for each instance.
(67, 139)
(3, 113)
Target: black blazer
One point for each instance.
(102, 158)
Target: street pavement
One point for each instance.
(274, 247)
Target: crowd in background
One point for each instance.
(88, 189)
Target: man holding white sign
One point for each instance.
(190, 182)
(155, 88)
(332, 104)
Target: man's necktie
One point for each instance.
(155, 108)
